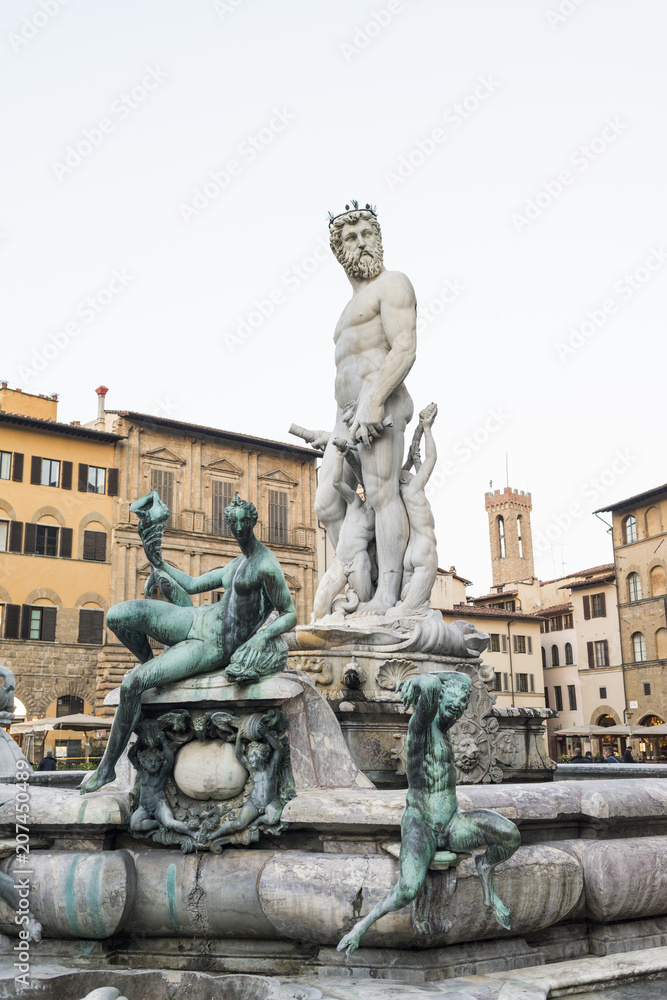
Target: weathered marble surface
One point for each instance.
(65, 810)
(214, 689)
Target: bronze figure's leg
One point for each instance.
(186, 659)
(476, 828)
(418, 847)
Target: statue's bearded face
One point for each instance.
(357, 243)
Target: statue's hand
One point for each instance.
(368, 419)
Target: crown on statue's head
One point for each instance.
(353, 207)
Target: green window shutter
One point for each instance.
(49, 624)
(83, 478)
(66, 476)
(112, 482)
(35, 471)
(12, 621)
(65, 543)
(17, 467)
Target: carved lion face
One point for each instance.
(467, 753)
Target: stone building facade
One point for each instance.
(510, 535)
(639, 534)
(197, 470)
(57, 487)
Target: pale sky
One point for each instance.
(516, 156)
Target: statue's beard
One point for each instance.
(367, 264)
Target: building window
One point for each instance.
(38, 623)
(69, 704)
(95, 545)
(498, 682)
(46, 540)
(630, 530)
(5, 464)
(638, 647)
(506, 682)
(544, 658)
(518, 531)
(96, 479)
(163, 481)
(503, 640)
(568, 653)
(509, 605)
(50, 472)
(572, 697)
(634, 587)
(568, 621)
(494, 645)
(278, 517)
(556, 624)
(598, 653)
(91, 623)
(522, 683)
(603, 693)
(559, 699)
(555, 656)
(4, 535)
(647, 689)
(519, 644)
(223, 494)
(532, 682)
(598, 606)
(544, 626)
(546, 697)
(501, 535)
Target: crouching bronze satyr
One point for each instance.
(230, 634)
(432, 821)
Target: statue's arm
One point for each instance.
(398, 313)
(421, 477)
(200, 584)
(281, 599)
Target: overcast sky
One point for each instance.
(168, 169)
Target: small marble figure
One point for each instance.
(420, 563)
(352, 562)
(432, 820)
(227, 634)
(154, 764)
(262, 761)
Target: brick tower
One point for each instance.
(510, 535)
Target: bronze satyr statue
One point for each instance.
(432, 820)
(227, 634)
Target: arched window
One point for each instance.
(555, 658)
(658, 581)
(518, 531)
(661, 643)
(653, 524)
(629, 529)
(605, 720)
(568, 653)
(634, 587)
(544, 658)
(501, 535)
(638, 647)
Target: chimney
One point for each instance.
(101, 394)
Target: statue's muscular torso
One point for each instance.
(361, 345)
(431, 772)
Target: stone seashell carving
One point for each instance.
(392, 672)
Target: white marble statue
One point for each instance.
(375, 345)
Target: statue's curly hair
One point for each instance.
(237, 504)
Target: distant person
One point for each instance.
(48, 762)
(627, 756)
(578, 759)
(589, 757)
(610, 757)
